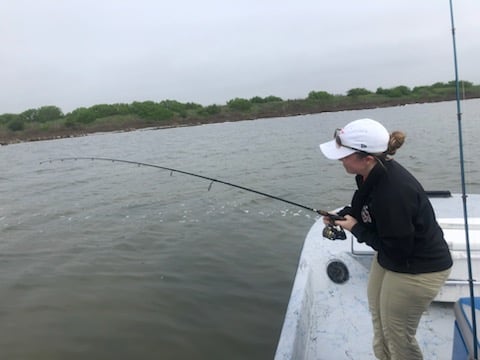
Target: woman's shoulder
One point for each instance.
(399, 182)
(398, 174)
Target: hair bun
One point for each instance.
(397, 138)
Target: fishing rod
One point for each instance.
(332, 217)
(464, 192)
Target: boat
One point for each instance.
(327, 315)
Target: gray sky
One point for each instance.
(74, 53)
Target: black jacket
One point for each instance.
(395, 217)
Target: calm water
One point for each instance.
(109, 261)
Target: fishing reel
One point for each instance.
(333, 232)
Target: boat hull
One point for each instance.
(330, 320)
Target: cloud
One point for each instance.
(80, 53)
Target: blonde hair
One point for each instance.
(397, 138)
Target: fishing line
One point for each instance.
(211, 179)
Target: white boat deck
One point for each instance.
(326, 320)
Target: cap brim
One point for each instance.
(333, 152)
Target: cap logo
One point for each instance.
(363, 146)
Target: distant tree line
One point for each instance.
(418, 92)
(50, 119)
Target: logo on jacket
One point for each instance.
(366, 218)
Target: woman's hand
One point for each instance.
(347, 224)
(327, 220)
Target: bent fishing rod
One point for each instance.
(212, 180)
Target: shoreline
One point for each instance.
(63, 133)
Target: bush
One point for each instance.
(70, 124)
(257, 100)
(212, 109)
(29, 115)
(105, 110)
(239, 104)
(398, 91)
(82, 115)
(319, 95)
(151, 111)
(272, 98)
(48, 113)
(7, 118)
(358, 92)
(16, 125)
(174, 106)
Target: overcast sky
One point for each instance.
(74, 53)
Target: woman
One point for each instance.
(391, 213)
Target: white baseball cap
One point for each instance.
(364, 135)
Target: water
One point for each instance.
(110, 261)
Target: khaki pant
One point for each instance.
(397, 302)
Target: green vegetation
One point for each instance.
(50, 122)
